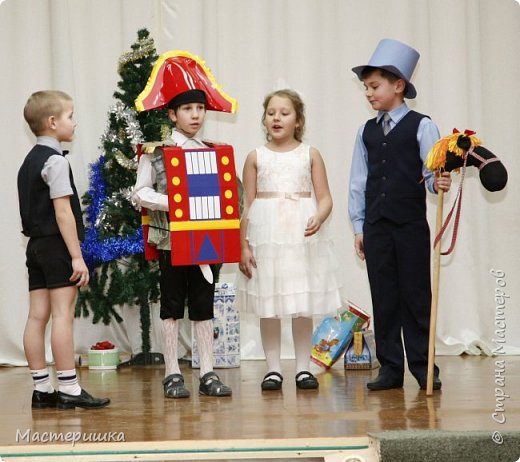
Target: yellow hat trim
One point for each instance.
(171, 54)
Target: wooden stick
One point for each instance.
(435, 295)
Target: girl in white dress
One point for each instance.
(287, 259)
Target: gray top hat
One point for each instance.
(397, 58)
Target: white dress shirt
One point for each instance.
(144, 193)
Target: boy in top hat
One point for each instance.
(51, 218)
(387, 207)
(180, 82)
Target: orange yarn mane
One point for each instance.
(436, 159)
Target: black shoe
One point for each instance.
(41, 399)
(383, 382)
(211, 385)
(270, 383)
(174, 387)
(437, 384)
(306, 381)
(83, 400)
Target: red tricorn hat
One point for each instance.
(176, 72)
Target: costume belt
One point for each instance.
(282, 195)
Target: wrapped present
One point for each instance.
(361, 353)
(226, 330)
(334, 334)
(103, 355)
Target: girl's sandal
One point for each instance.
(269, 383)
(308, 382)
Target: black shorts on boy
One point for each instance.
(49, 263)
(184, 283)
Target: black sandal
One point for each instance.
(211, 385)
(174, 387)
(308, 382)
(269, 383)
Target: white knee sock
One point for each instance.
(271, 333)
(170, 340)
(68, 382)
(302, 338)
(42, 380)
(204, 338)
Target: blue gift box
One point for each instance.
(361, 353)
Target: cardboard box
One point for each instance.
(334, 334)
(226, 328)
(361, 353)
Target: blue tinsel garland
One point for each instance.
(96, 251)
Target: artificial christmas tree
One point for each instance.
(113, 247)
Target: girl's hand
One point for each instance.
(313, 226)
(442, 181)
(358, 245)
(247, 262)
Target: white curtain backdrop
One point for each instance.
(467, 77)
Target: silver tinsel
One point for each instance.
(128, 116)
(127, 194)
(102, 222)
(132, 131)
(118, 199)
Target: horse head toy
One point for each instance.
(460, 149)
(455, 152)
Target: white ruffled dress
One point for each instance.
(295, 275)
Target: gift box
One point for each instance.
(226, 330)
(334, 334)
(103, 355)
(361, 353)
(103, 359)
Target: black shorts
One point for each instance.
(48, 262)
(181, 284)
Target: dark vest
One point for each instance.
(394, 188)
(36, 206)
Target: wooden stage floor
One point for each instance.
(342, 408)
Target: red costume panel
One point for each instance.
(203, 206)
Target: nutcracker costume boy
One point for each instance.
(187, 190)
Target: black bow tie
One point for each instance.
(64, 152)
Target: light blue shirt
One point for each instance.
(427, 135)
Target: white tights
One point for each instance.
(170, 343)
(270, 330)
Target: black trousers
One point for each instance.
(398, 264)
(181, 284)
